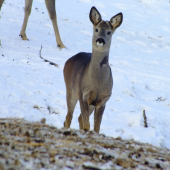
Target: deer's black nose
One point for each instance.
(100, 40)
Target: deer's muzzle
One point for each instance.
(100, 42)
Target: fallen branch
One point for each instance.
(159, 99)
(50, 62)
(145, 119)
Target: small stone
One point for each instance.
(43, 120)
(27, 134)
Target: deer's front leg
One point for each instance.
(50, 4)
(85, 113)
(98, 113)
(80, 119)
(98, 117)
(28, 6)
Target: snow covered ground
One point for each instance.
(139, 58)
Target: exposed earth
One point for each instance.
(35, 145)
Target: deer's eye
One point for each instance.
(96, 30)
(109, 32)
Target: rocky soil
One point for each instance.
(36, 145)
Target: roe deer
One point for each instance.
(50, 4)
(88, 76)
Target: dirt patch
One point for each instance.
(35, 145)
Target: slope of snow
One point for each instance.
(139, 58)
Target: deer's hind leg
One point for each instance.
(28, 6)
(50, 4)
(71, 103)
(1, 2)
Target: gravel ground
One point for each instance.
(35, 145)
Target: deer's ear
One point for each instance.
(95, 16)
(116, 20)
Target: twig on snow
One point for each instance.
(145, 119)
(159, 99)
(40, 52)
(50, 62)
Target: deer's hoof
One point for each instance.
(86, 129)
(61, 46)
(65, 125)
(24, 37)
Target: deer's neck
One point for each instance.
(99, 60)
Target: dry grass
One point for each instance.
(26, 145)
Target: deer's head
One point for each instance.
(103, 30)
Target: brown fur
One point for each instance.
(50, 4)
(1, 2)
(88, 76)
